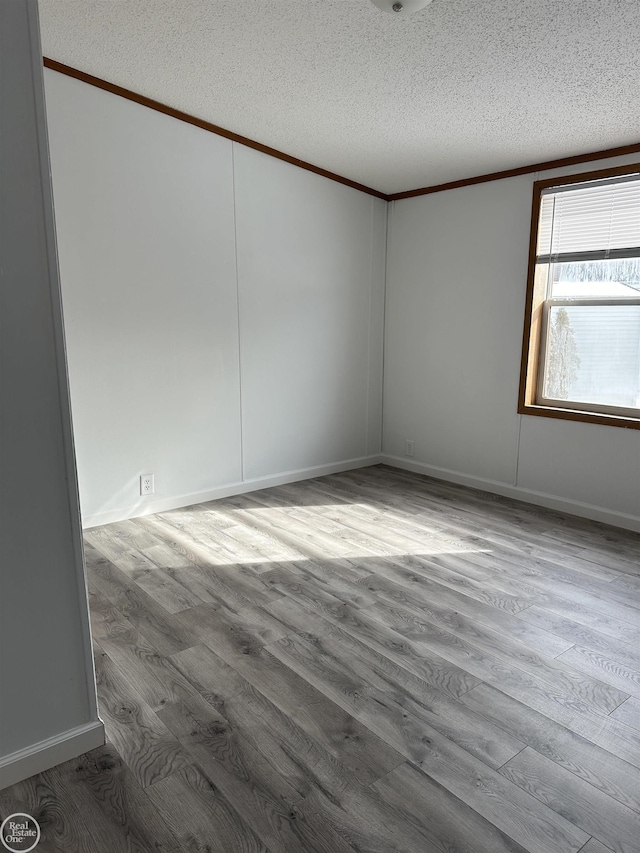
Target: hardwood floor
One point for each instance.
(371, 661)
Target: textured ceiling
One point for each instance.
(461, 88)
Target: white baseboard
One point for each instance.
(47, 753)
(150, 507)
(583, 510)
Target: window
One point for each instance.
(581, 350)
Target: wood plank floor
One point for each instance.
(371, 661)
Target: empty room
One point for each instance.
(320, 426)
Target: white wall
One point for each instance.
(225, 317)
(218, 364)
(47, 690)
(456, 283)
(310, 348)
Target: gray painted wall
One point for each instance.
(47, 690)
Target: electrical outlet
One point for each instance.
(146, 484)
(408, 448)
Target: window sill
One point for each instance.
(577, 415)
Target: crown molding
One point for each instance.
(520, 170)
(99, 83)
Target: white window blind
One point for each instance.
(600, 219)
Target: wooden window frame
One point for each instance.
(534, 318)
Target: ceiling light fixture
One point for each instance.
(405, 7)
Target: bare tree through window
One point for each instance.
(563, 360)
